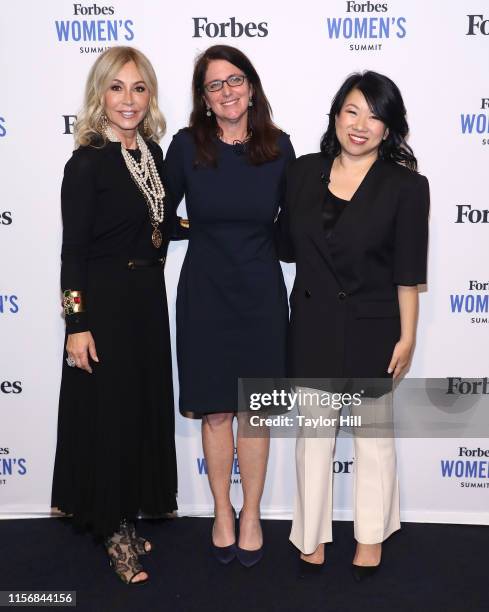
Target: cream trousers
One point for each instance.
(376, 487)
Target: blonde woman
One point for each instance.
(115, 453)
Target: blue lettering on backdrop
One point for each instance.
(14, 307)
(481, 123)
(365, 27)
(21, 464)
(8, 303)
(469, 303)
(201, 465)
(464, 469)
(100, 30)
(7, 467)
(3, 129)
(62, 29)
(129, 32)
(401, 25)
(89, 30)
(101, 36)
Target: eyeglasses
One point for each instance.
(235, 80)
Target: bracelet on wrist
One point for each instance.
(73, 302)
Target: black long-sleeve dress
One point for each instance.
(115, 452)
(232, 311)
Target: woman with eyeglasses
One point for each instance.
(356, 224)
(232, 311)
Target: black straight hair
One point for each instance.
(385, 100)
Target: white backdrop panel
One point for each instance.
(434, 50)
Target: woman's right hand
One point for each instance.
(79, 346)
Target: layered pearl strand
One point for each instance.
(146, 177)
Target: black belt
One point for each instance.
(134, 264)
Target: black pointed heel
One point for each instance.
(249, 558)
(362, 572)
(224, 554)
(309, 570)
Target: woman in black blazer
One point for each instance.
(356, 224)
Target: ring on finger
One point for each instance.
(70, 361)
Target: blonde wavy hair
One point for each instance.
(88, 126)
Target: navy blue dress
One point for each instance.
(232, 310)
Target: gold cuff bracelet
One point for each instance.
(72, 302)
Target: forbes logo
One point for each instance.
(472, 303)
(465, 213)
(8, 387)
(232, 28)
(94, 30)
(477, 25)
(468, 468)
(79, 9)
(476, 123)
(3, 129)
(365, 7)
(464, 386)
(372, 29)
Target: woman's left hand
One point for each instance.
(401, 357)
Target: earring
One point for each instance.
(146, 125)
(250, 102)
(209, 112)
(103, 123)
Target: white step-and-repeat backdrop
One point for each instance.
(438, 54)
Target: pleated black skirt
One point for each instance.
(115, 454)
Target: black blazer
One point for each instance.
(344, 306)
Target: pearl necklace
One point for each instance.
(147, 179)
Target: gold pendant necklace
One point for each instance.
(156, 237)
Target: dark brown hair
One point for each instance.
(262, 146)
